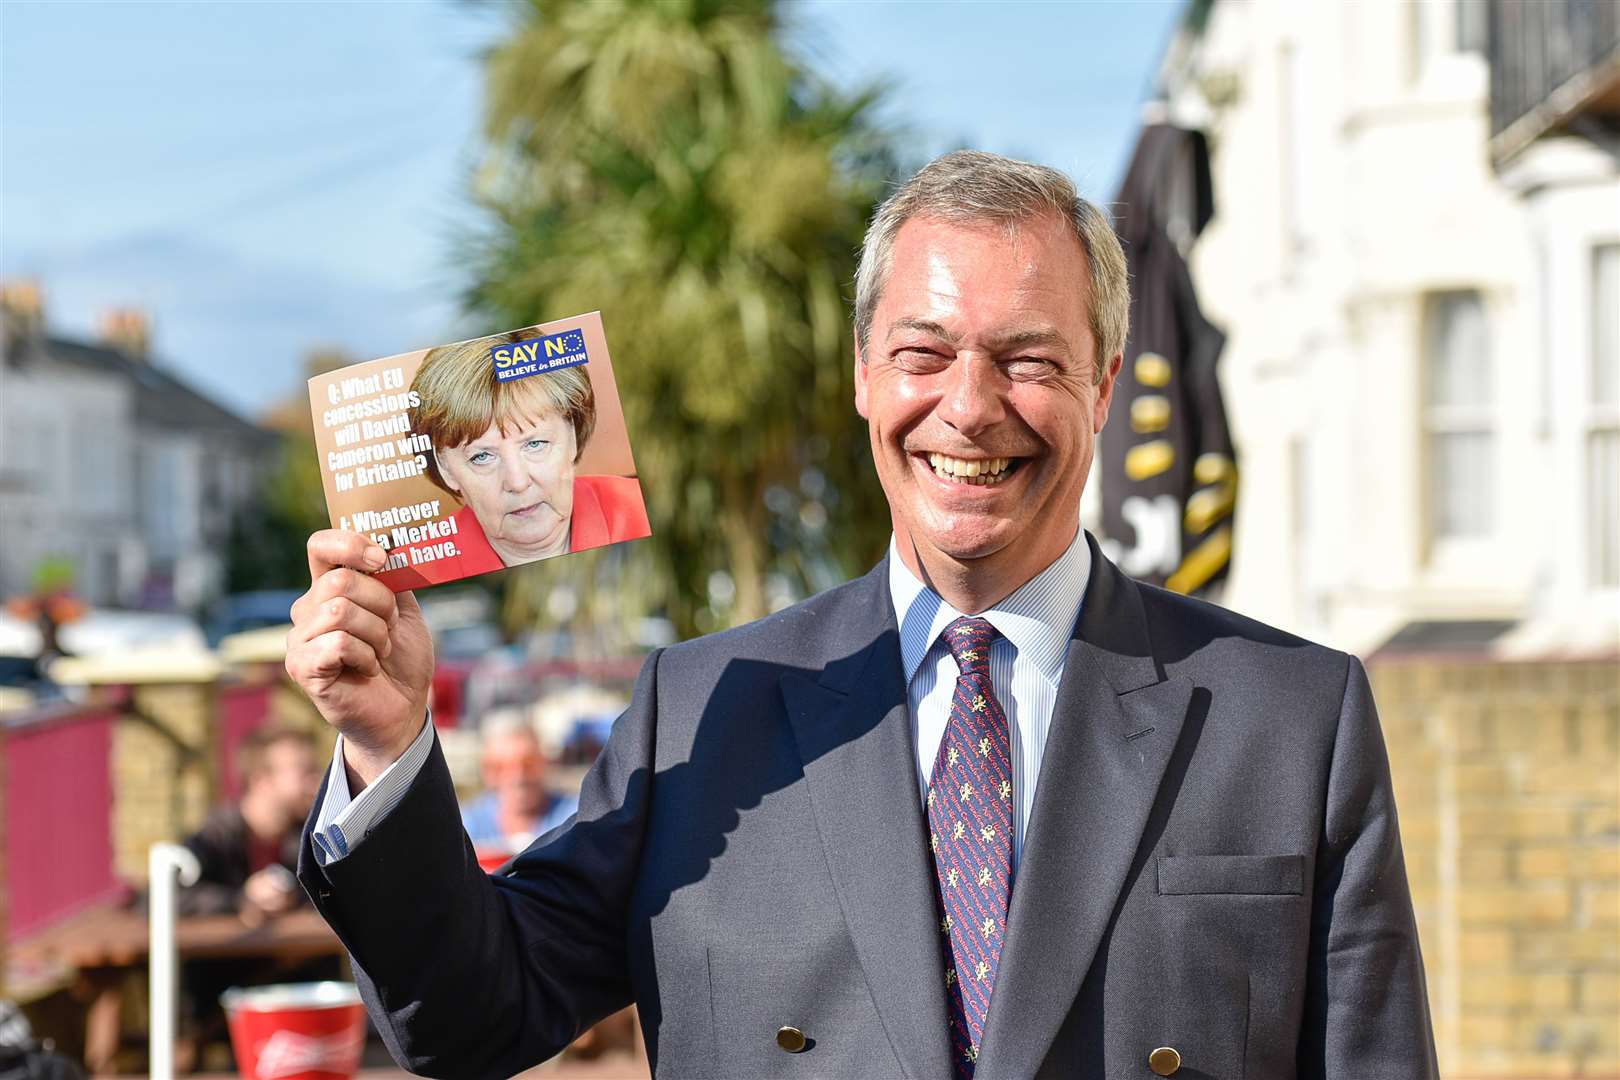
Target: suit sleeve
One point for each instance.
(472, 975)
(1366, 1008)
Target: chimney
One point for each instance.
(22, 303)
(128, 331)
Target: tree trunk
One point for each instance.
(744, 526)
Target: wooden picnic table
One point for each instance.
(117, 937)
(103, 947)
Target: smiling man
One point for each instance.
(991, 810)
(984, 382)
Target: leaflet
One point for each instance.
(487, 453)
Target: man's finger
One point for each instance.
(341, 613)
(328, 656)
(331, 548)
(405, 603)
(363, 589)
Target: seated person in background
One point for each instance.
(515, 806)
(248, 850)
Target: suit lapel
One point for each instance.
(1114, 726)
(854, 735)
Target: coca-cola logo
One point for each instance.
(287, 1053)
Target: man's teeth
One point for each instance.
(964, 471)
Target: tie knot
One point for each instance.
(969, 640)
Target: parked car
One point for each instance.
(250, 611)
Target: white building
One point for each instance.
(113, 465)
(1421, 369)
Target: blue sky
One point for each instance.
(263, 178)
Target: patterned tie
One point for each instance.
(970, 823)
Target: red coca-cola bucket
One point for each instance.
(296, 1031)
(493, 856)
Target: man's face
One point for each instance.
(292, 772)
(515, 769)
(520, 484)
(978, 387)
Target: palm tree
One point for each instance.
(667, 163)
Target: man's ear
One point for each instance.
(860, 376)
(1105, 393)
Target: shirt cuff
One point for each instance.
(345, 822)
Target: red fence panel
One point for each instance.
(243, 709)
(58, 807)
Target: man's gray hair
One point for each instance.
(971, 186)
(504, 721)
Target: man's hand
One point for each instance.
(268, 893)
(362, 654)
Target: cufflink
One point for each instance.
(790, 1039)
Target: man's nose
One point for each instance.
(971, 401)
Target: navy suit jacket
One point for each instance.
(1212, 864)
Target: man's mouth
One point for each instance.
(979, 472)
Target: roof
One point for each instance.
(1447, 636)
(161, 399)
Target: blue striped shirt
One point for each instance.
(1026, 663)
(344, 822)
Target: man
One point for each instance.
(248, 850)
(516, 805)
(992, 809)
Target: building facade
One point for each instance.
(112, 465)
(1414, 255)
(1421, 361)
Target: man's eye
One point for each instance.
(919, 359)
(1026, 367)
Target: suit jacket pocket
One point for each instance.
(1254, 875)
(756, 988)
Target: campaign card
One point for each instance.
(479, 455)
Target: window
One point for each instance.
(1473, 25)
(1417, 41)
(1459, 442)
(1603, 423)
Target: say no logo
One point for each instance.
(520, 359)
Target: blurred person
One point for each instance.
(248, 849)
(49, 607)
(22, 1057)
(994, 809)
(516, 805)
(508, 451)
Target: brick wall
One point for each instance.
(1507, 776)
(163, 787)
(163, 793)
